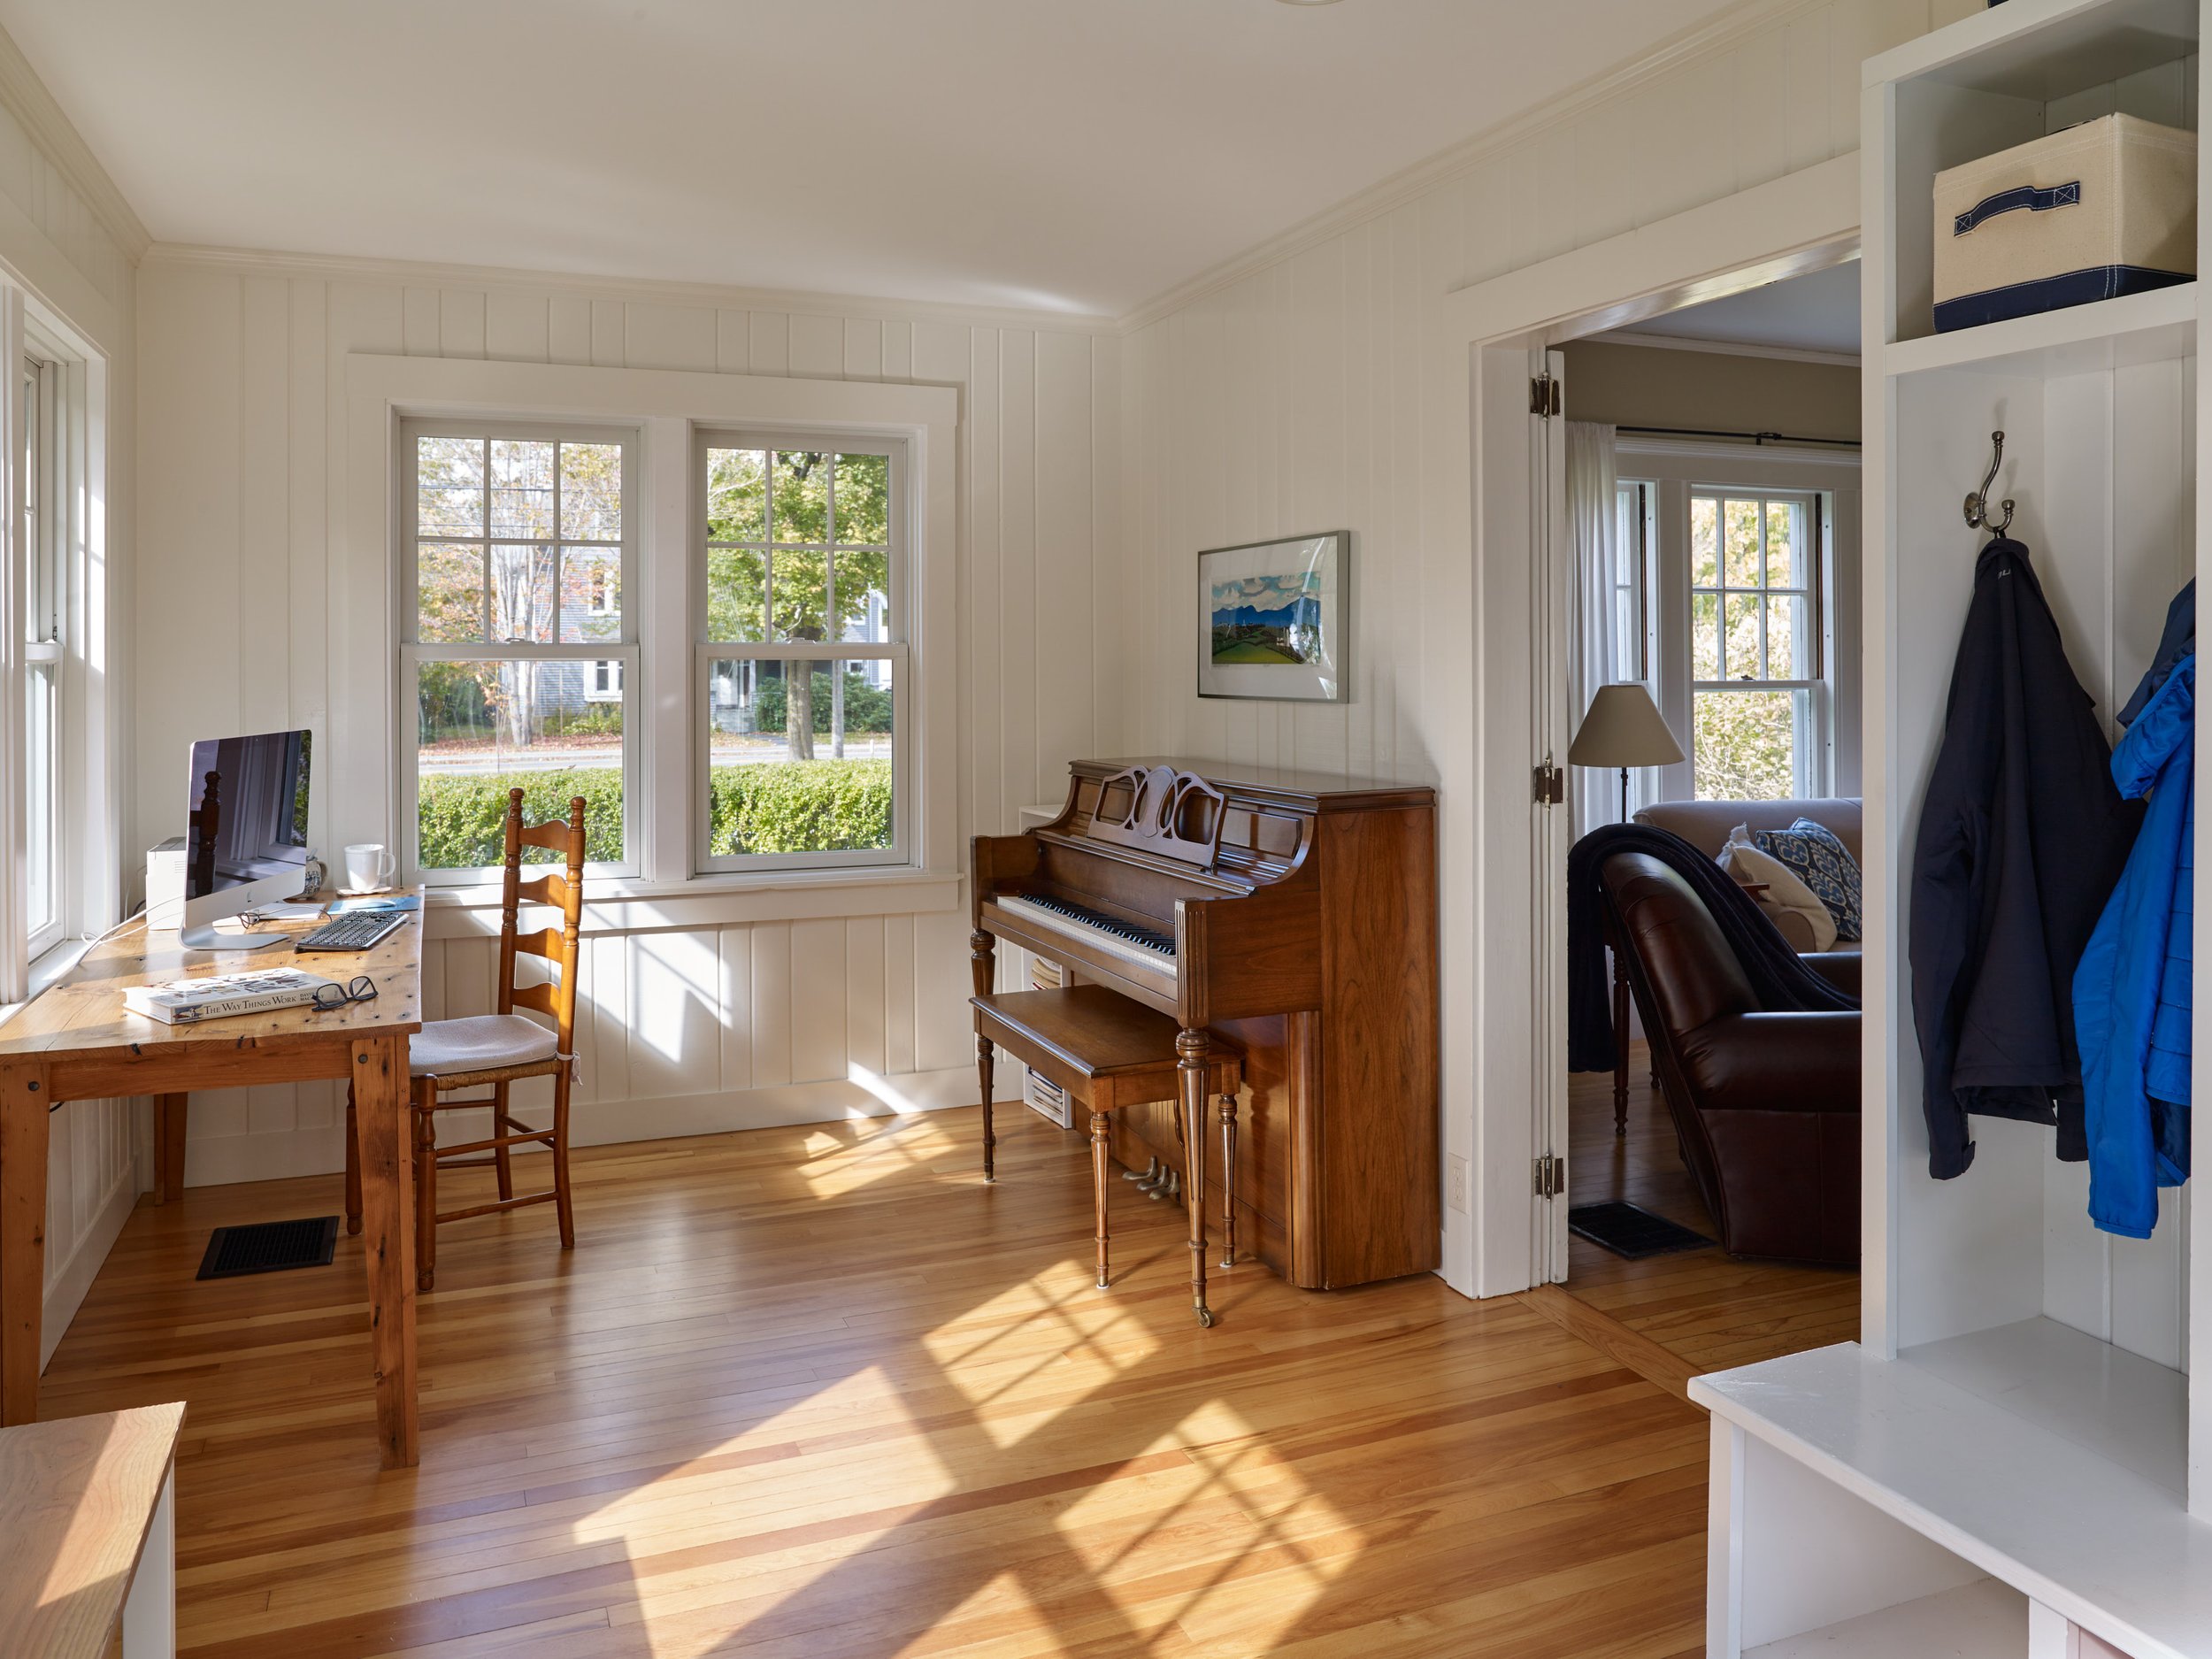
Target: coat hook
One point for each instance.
(1977, 503)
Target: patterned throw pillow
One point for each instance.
(1824, 863)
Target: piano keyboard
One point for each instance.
(1143, 945)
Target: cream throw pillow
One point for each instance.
(1785, 895)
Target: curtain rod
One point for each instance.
(1757, 438)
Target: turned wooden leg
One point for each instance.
(1190, 1059)
(982, 969)
(1228, 1180)
(983, 1056)
(564, 1205)
(1100, 1133)
(425, 1183)
(503, 1165)
(1620, 1045)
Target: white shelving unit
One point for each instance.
(2014, 1458)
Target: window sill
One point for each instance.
(622, 904)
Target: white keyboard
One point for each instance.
(1143, 946)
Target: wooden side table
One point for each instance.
(88, 1507)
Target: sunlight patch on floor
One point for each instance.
(836, 1165)
(1291, 1541)
(1055, 1330)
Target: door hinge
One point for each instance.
(1551, 1176)
(1551, 784)
(1544, 397)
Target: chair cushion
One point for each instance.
(446, 1048)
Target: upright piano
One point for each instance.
(1291, 916)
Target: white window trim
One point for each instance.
(364, 787)
(89, 785)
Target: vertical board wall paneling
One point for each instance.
(244, 408)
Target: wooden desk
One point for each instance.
(78, 1042)
(88, 1507)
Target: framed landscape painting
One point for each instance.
(1273, 618)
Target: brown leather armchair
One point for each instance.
(1765, 1105)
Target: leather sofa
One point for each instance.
(1766, 1105)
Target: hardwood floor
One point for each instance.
(1709, 1311)
(820, 1393)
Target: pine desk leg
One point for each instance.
(387, 1201)
(25, 1097)
(171, 1113)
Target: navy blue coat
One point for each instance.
(2022, 838)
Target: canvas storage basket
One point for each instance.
(2106, 208)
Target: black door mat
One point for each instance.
(270, 1247)
(1628, 1231)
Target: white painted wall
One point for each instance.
(761, 1017)
(1315, 388)
(56, 245)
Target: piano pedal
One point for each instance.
(1150, 1172)
(1170, 1185)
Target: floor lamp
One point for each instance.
(1622, 728)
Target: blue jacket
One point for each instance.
(2131, 991)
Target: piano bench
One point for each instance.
(1108, 1051)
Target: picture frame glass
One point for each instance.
(1271, 619)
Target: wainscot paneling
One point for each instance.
(683, 1028)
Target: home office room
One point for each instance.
(1029, 828)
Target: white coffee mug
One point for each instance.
(368, 867)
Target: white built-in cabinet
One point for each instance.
(2013, 1459)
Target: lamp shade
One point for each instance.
(1623, 729)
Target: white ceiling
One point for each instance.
(1817, 312)
(1081, 156)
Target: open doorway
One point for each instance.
(1706, 543)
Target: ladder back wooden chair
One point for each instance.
(500, 1049)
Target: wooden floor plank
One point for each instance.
(820, 1392)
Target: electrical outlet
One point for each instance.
(1458, 1192)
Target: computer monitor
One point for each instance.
(246, 834)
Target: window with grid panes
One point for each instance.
(45, 612)
(802, 665)
(516, 643)
(1757, 711)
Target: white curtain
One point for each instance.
(1592, 521)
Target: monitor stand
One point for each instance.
(206, 936)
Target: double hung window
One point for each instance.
(801, 668)
(517, 649)
(527, 660)
(1758, 713)
(45, 611)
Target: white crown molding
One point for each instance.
(1717, 34)
(26, 98)
(1723, 348)
(426, 273)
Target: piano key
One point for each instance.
(1110, 932)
